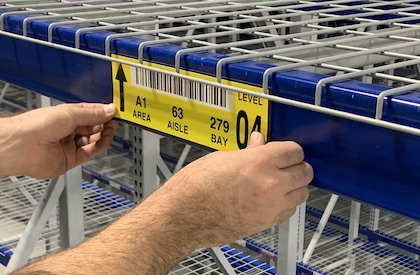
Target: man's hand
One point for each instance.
(46, 142)
(225, 196)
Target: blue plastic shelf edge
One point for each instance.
(305, 269)
(368, 163)
(61, 75)
(250, 72)
(5, 255)
(386, 238)
(106, 180)
(247, 261)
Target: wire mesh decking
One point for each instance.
(19, 196)
(333, 254)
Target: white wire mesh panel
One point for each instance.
(18, 199)
(326, 37)
(113, 167)
(19, 196)
(14, 99)
(333, 254)
(391, 227)
(200, 262)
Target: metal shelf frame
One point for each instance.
(338, 76)
(300, 75)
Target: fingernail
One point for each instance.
(109, 109)
(255, 138)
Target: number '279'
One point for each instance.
(219, 124)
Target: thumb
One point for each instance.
(256, 140)
(92, 114)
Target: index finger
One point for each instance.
(90, 114)
(86, 105)
(284, 153)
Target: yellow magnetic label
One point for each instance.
(190, 110)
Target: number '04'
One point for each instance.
(242, 135)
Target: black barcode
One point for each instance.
(192, 90)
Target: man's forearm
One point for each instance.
(151, 239)
(9, 147)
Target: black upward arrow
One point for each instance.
(121, 78)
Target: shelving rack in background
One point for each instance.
(339, 77)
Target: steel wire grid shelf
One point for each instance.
(389, 228)
(18, 198)
(113, 167)
(342, 75)
(13, 99)
(334, 255)
(200, 262)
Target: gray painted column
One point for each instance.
(288, 245)
(145, 156)
(70, 208)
